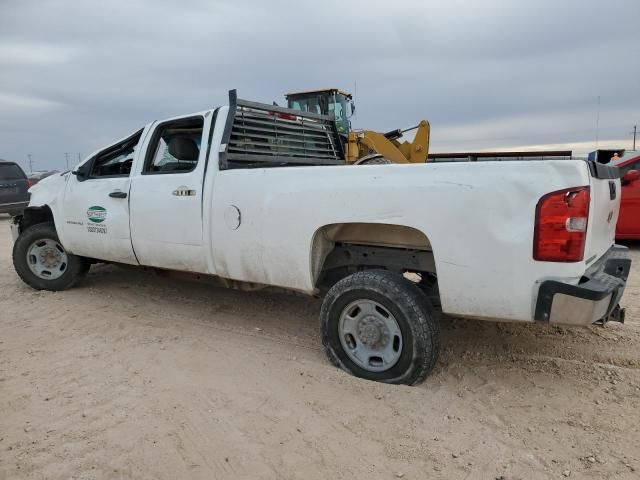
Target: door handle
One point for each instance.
(118, 194)
(184, 192)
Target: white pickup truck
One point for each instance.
(259, 195)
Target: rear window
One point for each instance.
(11, 171)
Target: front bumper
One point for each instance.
(593, 299)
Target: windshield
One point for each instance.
(334, 103)
(309, 104)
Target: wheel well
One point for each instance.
(34, 215)
(341, 249)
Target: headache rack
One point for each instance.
(262, 135)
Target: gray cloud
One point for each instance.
(74, 75)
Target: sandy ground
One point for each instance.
(130, 375)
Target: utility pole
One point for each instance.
(635, 130)
(66, 159)
(597, 122)
(30, 163)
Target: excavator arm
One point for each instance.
(363, 143)
(363, 146)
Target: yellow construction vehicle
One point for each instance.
(363, 146)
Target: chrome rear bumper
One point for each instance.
(593, 299)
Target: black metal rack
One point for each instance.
(262, 135)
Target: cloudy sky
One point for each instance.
(487, 74)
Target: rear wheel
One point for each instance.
(379, 326)
(43, 263)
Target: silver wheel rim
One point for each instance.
(370, 335)
(47, 259)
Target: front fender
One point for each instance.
(49, 194)
(49, 191)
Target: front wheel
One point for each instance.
(379, 326)
(41, 261)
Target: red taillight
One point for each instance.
(561, 225)
(29, 183)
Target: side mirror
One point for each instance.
(353, 108)
(82, 172)
(630, 177)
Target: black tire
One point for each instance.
(413, 314)
(76, 267)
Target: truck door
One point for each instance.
(166, 195)
(95, 219)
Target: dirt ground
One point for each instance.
(132, 375)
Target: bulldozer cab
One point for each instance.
(325, 102)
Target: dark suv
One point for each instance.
(14, 186)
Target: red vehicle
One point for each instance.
(629, 220)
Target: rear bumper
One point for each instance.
(593, 299)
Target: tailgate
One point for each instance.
(13, 184)
(13, 191)
(603, 211)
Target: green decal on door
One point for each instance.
(97, 214)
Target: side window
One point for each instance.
(118, 164)
(175, 147)
(116, 160)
